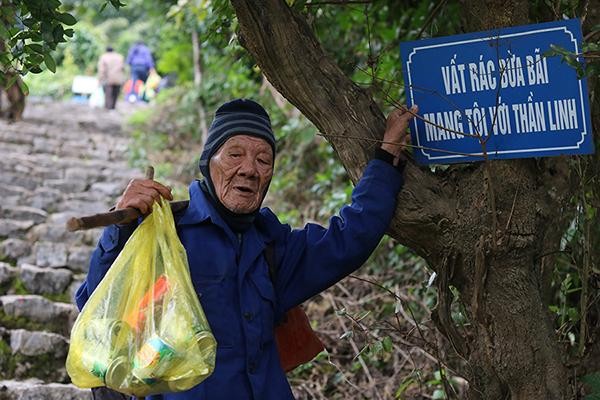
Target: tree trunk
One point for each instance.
(484, 227)
(198, 83)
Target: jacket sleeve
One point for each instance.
(312, 259)
(102, 71)
(109, 246)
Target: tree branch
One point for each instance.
(293, 61)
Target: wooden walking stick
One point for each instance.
(122, 216)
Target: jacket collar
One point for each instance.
(199, 209)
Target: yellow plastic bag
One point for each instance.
(143, 330)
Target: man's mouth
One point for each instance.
(244, 189)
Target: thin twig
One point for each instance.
(512, 209)
(430, 17)
(372, 63)
(435, 92)
(355, 349)
(491, 194)
(328, 135)
(336, 3)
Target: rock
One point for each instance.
(10, 227)
(9, 190)
(41, 310)
(45, 198)
(108, 189)
(49, 173)
(66, 186)
(35, 389)
(37, 343)
(79, 174)
(44, 280)
(53, 230)
(79, 258)
(15, 248)
(24, 213)
(7, 273)
(74, 286)
(13, 179)
(82, 207)
(43, 144)
(50, 254)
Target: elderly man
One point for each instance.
(225, 234)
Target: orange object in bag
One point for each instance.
(296, 341)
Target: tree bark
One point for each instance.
(198, 83)
(447, 218)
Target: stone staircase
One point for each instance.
(63, 160)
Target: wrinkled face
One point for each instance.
(241, 171)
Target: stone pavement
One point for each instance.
(63, 160)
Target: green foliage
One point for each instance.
(30, 30)
(586, 64)
(18, 287)
(593, 382)
(371, 33)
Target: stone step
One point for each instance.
(23, 213)
(13, 248)
(63, 160)
(20, 180)
(12, 228)
(39, 280)
(37, 312)
(35, 389)
(26, 354)
(7, 274)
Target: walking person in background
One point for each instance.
(141, 64)
(111, 75)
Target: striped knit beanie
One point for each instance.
(237, 117)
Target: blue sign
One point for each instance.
(494, 95)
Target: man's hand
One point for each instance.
(141, 194)
(396, 138)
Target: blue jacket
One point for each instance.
(140, 55)
(231, 278)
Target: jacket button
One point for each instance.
(248, 316)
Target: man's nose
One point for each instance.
(248, 167)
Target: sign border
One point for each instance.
(563, 27)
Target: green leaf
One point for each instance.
(347, 334)
(49, 61)
(57, 33)
(407, 382)
(35, 69)
(38, 48)
(4, 57)
(69, 32)
(3, 32)
(117, 4)
(11, 81)
(66, 18)
(24, 88)
(387, 344)
(29, 22)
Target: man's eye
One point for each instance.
(235, 155)
(263, 161)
